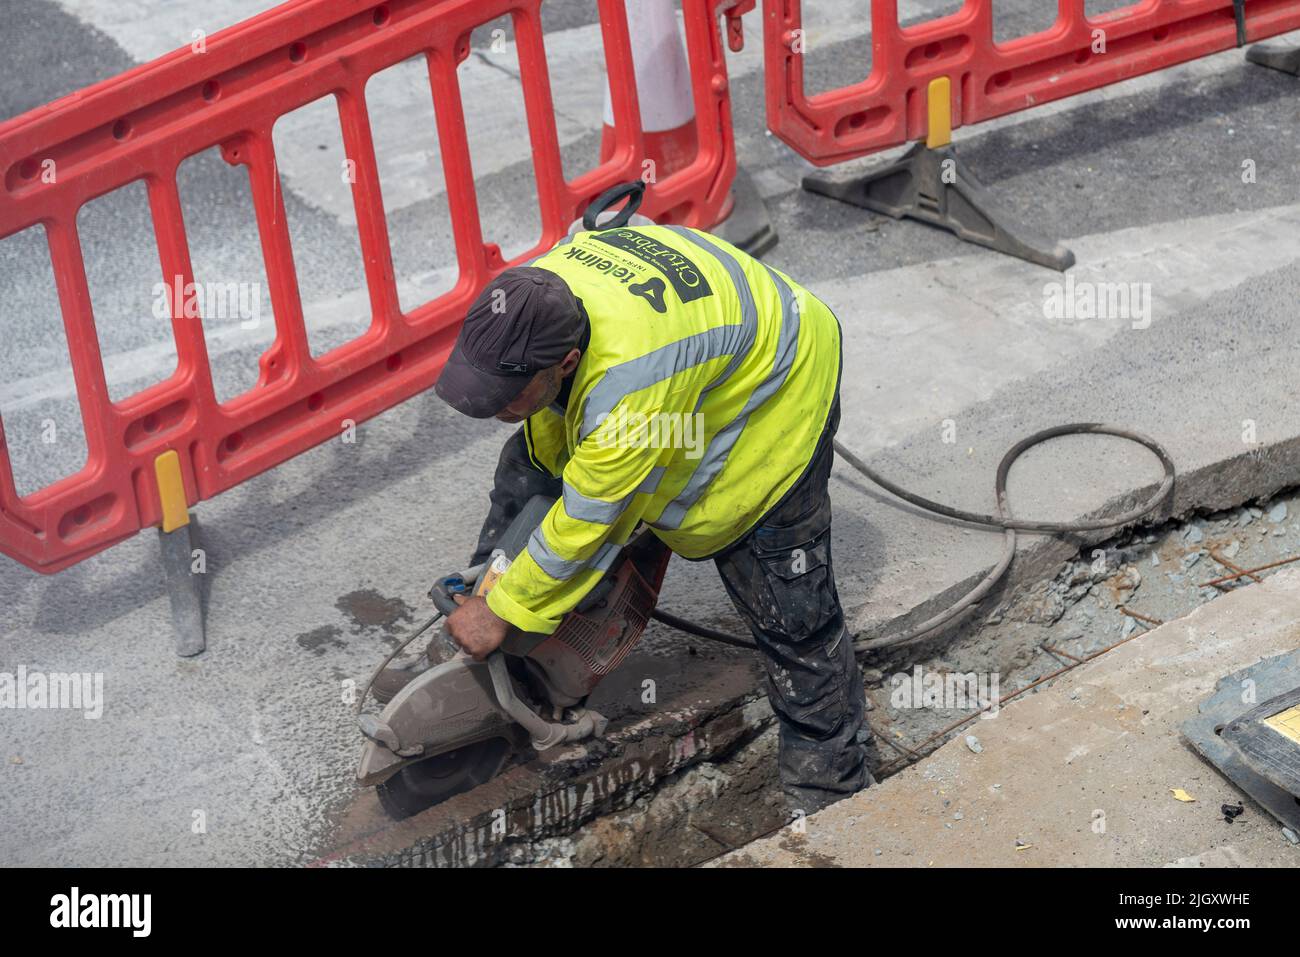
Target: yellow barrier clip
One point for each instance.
(171, 491)
(939, 104)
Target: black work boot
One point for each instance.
(782, 581)
(818, 698)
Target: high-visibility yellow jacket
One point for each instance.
(696, 405)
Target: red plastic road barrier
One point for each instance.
(988, 79)
(142, 124)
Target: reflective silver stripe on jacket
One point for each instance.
(715, 456)
(594, 510)
(562, 569)
(748, 312)
(598, 511)
(674, 357)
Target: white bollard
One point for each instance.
(664, 93)
(663, 89)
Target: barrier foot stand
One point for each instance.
(184, 584)
(1276, 57)
(934, 186)
(748, 226)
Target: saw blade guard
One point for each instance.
(463, 702)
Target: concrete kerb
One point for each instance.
(1214, 486)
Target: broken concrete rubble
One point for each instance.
(1095, 756)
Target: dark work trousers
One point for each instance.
(780, 579)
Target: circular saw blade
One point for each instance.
(421, 785)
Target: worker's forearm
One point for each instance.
(532, 601)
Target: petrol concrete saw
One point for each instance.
(451, 723)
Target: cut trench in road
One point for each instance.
(695, 777)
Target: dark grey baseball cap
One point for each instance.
(525, 320)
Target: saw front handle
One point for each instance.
(446, 589)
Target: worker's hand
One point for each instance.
(476, 628)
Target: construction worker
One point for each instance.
(662, 376)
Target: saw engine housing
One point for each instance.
(456, 725)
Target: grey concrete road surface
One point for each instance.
(245, 755)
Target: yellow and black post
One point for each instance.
(931, 184)
(184, 582)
